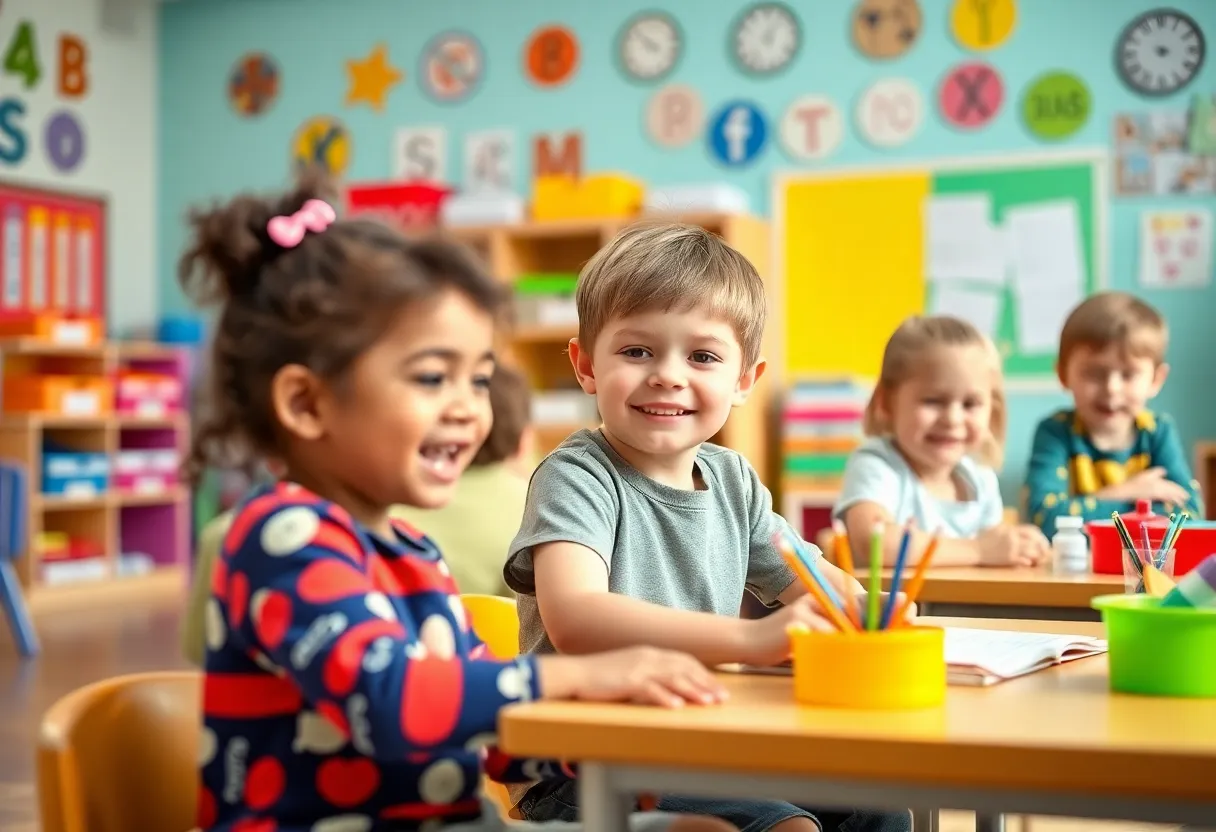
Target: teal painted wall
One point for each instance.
(206, 150)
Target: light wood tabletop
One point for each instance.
(1058, 731)
(1009, 587)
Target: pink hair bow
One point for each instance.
(314, 215)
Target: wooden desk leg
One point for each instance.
(989, 823)
(602, 808)
(924, 820)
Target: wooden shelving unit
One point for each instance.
(563, 247)
(154, 523)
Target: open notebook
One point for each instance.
(985, 657)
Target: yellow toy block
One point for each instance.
(601, 196)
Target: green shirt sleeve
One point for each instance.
(1049, 490)
(1168, 454)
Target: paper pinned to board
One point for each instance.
(979, 307)
(1048, 270)
(962, 242)
(1045, 244)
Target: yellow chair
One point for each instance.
(121, 754)
(495, 620)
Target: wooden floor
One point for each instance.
(84, 646)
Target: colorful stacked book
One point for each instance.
(821, 426)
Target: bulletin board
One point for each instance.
(1010, 243)
(52, 252)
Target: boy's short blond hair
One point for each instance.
(671, 266)
(1114, 318)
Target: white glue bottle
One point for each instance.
(1070, 547)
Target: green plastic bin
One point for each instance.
(1156, 650)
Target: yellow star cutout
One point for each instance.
(371, 79)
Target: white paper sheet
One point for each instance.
(1045, 244)
(1176, 249)
(962, 243)
(1048, 270)
(979, 307)
(1040, 314)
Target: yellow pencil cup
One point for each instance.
(888, 669)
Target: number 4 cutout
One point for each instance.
(21, 58)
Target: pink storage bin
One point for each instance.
(148, 394)
(146, 471)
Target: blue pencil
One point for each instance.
(896, 573)
(813, 567)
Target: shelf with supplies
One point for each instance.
(100, 429)
(542, 258)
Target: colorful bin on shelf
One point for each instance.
(597, 196)
(72, 473)
(146, 470)
(150, 395)
(54, 329)
(545, 300)
(58, 395)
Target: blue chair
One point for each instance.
(14, 505)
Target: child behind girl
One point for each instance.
(343, 688)
(937, 425)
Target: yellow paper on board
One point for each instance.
(854, 260)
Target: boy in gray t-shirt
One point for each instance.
(641, 532)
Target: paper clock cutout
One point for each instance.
(674, 116)
(890, 112)
(1056, 105)
(1160, 52)
(886, 28)
(980, 25)
(765, 38)
(452, 67)
(971, 95)
(649, 46)
(551, 56)
(324, 142)
(253, 84)
(812, 128)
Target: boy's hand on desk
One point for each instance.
(767, 640)
(645, 675)
(1021, 545)
(1150, 484)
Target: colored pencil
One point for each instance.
(1126, 537)
(844, 554)
(812, 566)
(900, 559)
(918, 579)
(875, 578)
(833, 612)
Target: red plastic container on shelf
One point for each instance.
(1197, 541)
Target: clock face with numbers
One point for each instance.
(765, 38)
(1160, 52)
(650, 46)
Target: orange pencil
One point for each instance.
(833, 612)
(918, 580)
(844, 554)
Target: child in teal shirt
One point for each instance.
(1109, 450)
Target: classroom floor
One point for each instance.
(84, 646)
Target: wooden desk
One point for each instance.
(1052, 743)
(1010, 593)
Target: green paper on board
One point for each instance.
(1201, 138)
(1056, 105)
